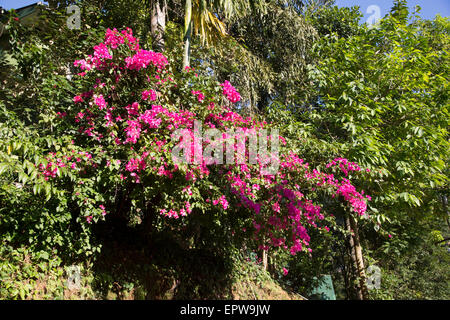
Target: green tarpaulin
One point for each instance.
(324, 289)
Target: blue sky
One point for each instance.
(14, 4)
(429, 7)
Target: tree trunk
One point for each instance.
(445, 206)
(187, 33)
(158, 24)
(357, 258)
(353, 266)
(264, 259)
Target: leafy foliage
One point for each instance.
(86, 166)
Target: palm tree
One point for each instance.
(202, 18)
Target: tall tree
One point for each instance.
(383, 98)
(276, 43)
(158, 23)
(206, 18)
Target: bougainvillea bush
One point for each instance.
(120, 132)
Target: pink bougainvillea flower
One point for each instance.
(134, 129)
(146, 94)
(200, 96)
(77, 99)
(100, 101)
(230, 92)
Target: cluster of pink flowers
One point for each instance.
(230, 92)
(101, 51)
(149, 93)
(300, 211)
(100, 101)
(133, 131)
(230, 118)
(77, 99)
(223, 201)
(83, 64)
(356, 199)
(281, 211)
(176, 119)
(136, 165)
(133, 109)
(171, 213)
(113, 38)
(143, 58)
(200, 96)
(51, 169)
(344, 165)
(150, 117)
(104, 213)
